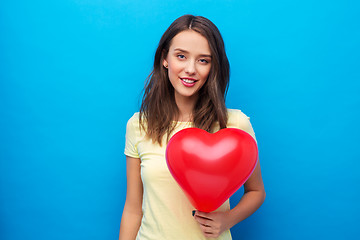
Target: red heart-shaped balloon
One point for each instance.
(210, 167)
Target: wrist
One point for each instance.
(230, 219)
(235, 216)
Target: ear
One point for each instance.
(165, 63)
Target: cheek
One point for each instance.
(173, 72)
(205, 72)
(174, 67)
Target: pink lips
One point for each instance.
(188, 84)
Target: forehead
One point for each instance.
(190, 41)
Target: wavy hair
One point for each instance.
(159, 110)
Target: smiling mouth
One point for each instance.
(188, 80)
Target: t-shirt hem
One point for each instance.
(131, 155)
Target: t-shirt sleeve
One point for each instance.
(131, 137)
(243, 122)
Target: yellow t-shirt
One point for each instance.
(167, 213)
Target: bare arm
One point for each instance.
(252, 199)
(213, 224)
(132, 213)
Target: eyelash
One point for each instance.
(181, 56)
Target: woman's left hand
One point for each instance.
(214, 223)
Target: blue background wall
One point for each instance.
(71, 74)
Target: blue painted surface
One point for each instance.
(71, 74)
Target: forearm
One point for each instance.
(130, 224)
(247, 205)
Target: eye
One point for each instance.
(203, 60)
(180, 56)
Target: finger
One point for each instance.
(209, 235)
(206, 231)
(203, 221)
(203, 214)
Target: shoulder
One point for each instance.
(236, 115)
(133, 122)
(134, 118)
(238, 119)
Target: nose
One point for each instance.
(190, 68)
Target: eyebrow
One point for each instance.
(201, 55)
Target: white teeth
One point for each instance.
(187, 80)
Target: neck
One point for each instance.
(186, 106)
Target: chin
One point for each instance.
(188, 94)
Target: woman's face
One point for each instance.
(188, 62)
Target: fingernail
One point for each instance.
(193, 213)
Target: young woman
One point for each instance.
(186, 88)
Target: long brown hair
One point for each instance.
(158, 109)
